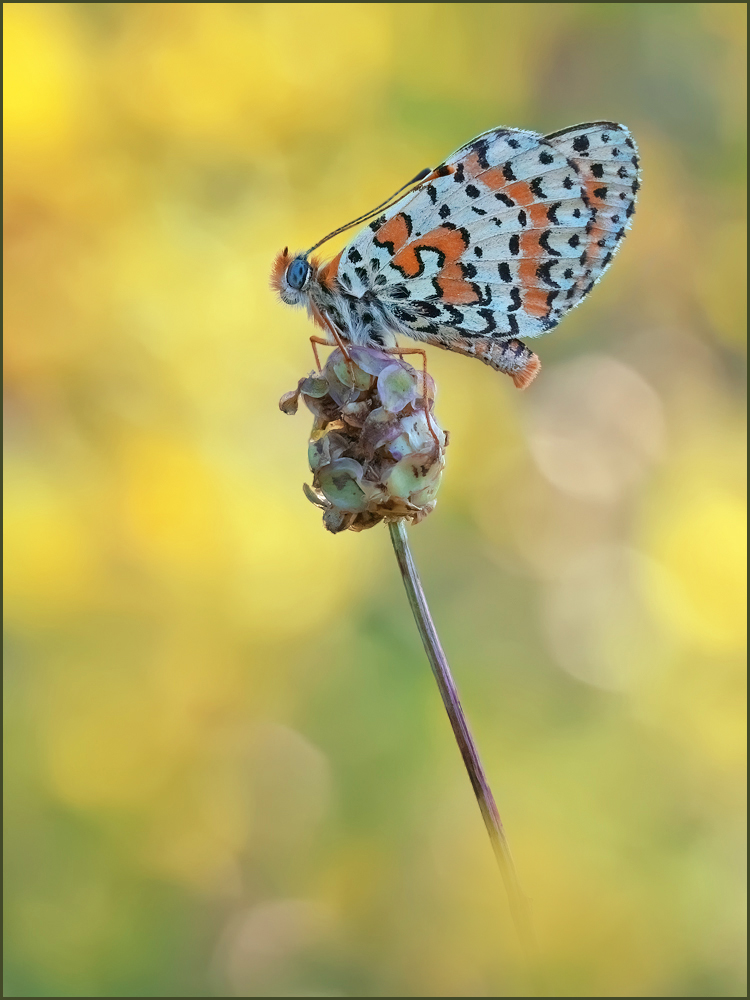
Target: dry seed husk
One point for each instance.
(373, 451)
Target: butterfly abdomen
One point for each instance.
(511, 357)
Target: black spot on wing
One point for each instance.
(545, 156)
(515, 298)
(552, 212)
(543, 272)
(487, 314)
(544, 242)
(505, 200)
(536, 187)
(354, 255)
(432, 193)
(508, 171)
(484, 296)
(581, 143)
(362, 274)
(480, 148)
(513, 245)
(444, 212)
(471, 191)
(427, 309)
(504, 271)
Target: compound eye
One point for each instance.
(297, 272)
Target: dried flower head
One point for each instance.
(375, 451)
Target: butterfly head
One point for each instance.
(292, 276)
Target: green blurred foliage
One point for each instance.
(228, 772)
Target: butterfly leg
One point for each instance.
(314, 341)
(401, 351)
(339, 343)
(325, 322)
(335, 334)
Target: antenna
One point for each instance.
(420, 177)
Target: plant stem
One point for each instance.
(518, 903)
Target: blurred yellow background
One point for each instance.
(228, 772)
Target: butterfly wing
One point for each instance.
(506, 236)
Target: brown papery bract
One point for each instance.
(376, 452)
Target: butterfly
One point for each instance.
(495, 244)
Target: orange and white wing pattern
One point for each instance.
(501, 240)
